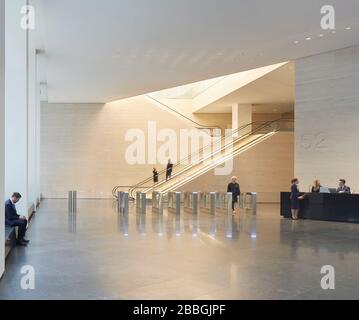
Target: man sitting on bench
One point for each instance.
(12, 219)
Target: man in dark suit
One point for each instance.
(342, 187)
(12, 219)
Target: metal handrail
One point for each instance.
(182, 115)
(261, 127)
(138, 185)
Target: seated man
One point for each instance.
(342, 187)
(12, 219)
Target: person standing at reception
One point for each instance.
(294, 198)
(342, 187)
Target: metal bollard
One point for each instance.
(254, 203)
(75, 201)
(229, 204)
(213, 203)
(157, 202)
(160, 206)
(195, 203)
(203, 200)
(242, 200)
(72, 211)
(178, 203)
(138, 201)
(125, 203)
(119, 201)
(72, 201)
(143, 203)
(229, 216)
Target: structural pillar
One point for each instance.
(2, 135)
(17, 105)
(241, 116)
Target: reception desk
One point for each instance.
(324, 206)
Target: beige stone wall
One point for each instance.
(83, 148)
(267, 169)
(327, 112)
(83, 145)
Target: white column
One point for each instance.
(2, 135)
(16, 105)
(241, 115)
(32, 121)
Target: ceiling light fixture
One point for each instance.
(348, 28)
(296, 42)
(308, 38)
(321, 35)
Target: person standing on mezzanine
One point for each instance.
(12, 219)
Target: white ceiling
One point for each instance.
(104, 50)
(187, 91)
(272, 93)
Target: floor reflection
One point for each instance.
(171, 224)
(226, 257)
(122, 223)
(71, 221)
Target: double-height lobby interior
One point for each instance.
(179, 150)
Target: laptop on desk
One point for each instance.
(327, 190)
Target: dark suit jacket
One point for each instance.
(10, 213)
(344, 189)
(169, 167)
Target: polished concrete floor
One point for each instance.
(100, 254)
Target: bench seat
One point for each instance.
(10, 239)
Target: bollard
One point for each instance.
(204, 200)
(120, 202)
(143, 203)
(254, 203)
(229, 204)
(195, 203)
(70, 201)
(229, 216)
(242, 200)
(157, 202)
(74, 201)
(160, 206)
(138, 201)
(213, 203)
(178, 203)
(125, 197)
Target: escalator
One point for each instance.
(211, 156)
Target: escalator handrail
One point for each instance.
(137, 186)
(182, 115)
(191, 155)
(268, 124)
